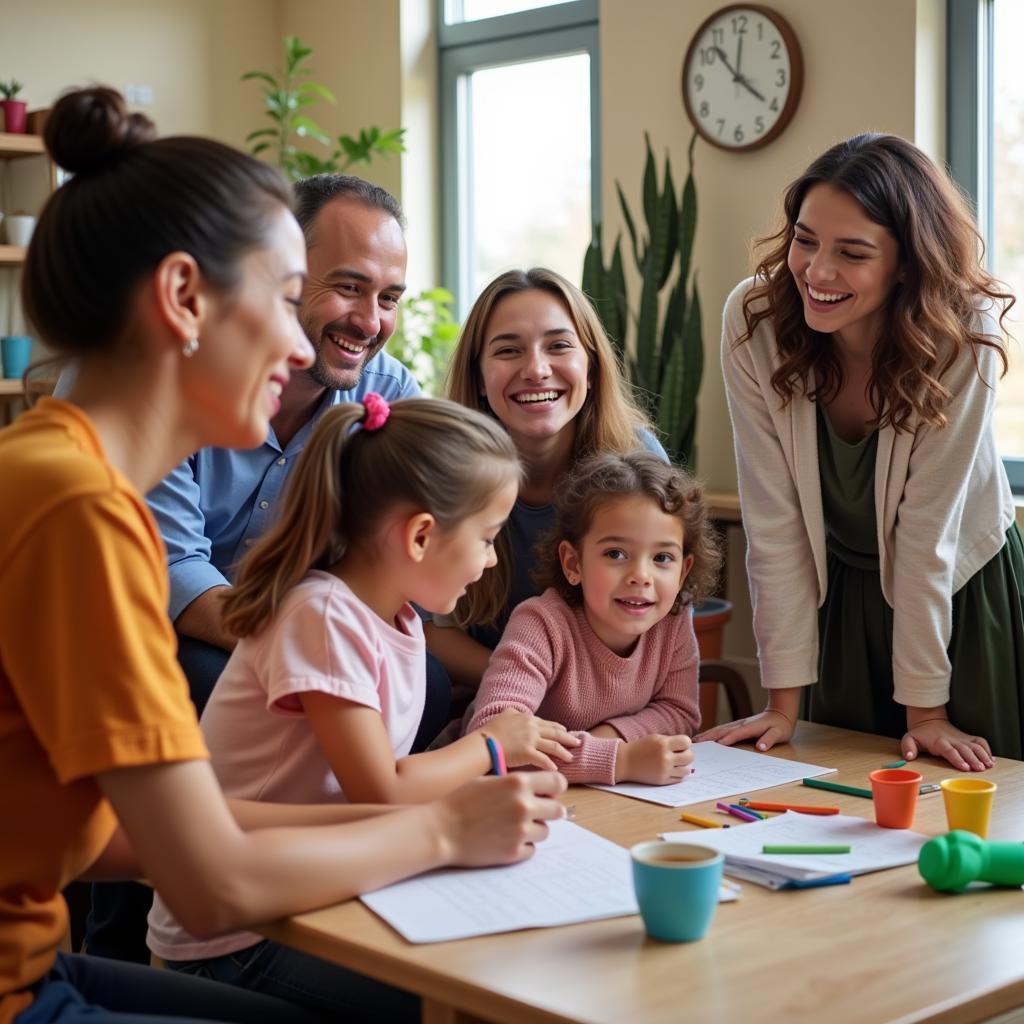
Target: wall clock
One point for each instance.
(742, 77)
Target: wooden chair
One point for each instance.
(737, 696)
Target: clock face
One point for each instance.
(742, 77)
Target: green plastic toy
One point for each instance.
(951, 862)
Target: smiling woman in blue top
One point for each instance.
(533, 354)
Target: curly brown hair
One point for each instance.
(601, 478)
(929, 317)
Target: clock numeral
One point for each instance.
(774, 105)
(707, 57)
(776, 47)
(738, 134)
(759, 124)
(717, 36)
(780, 76)
(698, 81)
(739, 25)
(704, 109)
(721, 124)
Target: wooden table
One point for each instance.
(885, 948)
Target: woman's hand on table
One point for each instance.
(938, 736)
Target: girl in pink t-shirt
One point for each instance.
(321, 699)
(609, 649)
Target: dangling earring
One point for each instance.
(189, 349)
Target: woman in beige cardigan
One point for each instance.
(860, 364)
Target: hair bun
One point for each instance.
(91, 128)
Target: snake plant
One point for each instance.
(662, 352)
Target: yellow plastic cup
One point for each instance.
(968, 804)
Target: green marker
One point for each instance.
(805, 849)
(895, 764)
(835, 787)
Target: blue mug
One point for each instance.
(16, 353)
(676, 887)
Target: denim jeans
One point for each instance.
(92, 990)
(273, 969)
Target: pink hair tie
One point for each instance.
(377, 411)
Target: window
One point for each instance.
(519, 127)
(986, 153)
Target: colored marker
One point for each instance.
(799, 808)
(747, 810)
(895, 764)
(497, 756)
(815, 883)
(703, 822)
(737, 812)
(835, 787)
(929, 787)
(805, 849)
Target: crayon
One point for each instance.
(836, 787)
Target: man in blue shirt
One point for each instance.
(214, 506)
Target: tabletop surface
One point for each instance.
(884, 948)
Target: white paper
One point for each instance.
(871, 848)
(721, 771)
(574, 876)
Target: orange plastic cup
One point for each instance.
(895, 792)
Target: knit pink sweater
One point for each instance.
(551, 664)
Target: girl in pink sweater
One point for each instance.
(608, 649)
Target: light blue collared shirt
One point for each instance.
(218, 502)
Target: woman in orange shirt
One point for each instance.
(171, 270)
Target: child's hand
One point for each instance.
(656, 760)
(497, 821)
(527, 739)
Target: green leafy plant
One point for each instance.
(11, 89)
(663, 353)
(287, 97)
(425, 336)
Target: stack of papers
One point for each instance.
(871, 848)
(574, 876)
(722, 771)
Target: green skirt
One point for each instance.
(855, 686)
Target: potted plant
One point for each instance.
(425, 336)
(661, 344)
(287, 96)
(14, 110)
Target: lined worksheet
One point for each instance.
(574, 876)
(722, 771)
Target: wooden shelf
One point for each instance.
(12, 387)
(14, 146)
(11, 255)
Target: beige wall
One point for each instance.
(358, 57)
(189, 52)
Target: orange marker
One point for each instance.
(799, 808)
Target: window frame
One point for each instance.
(465, 47)
(970, 28)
